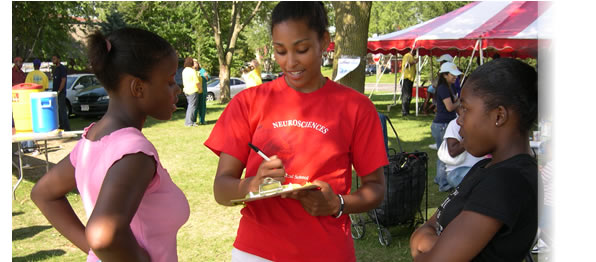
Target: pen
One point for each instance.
(256, 149)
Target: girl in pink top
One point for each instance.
(134, 209)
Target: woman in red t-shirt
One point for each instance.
(314, 130)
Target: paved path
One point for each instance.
(381, 87)
(388, 88)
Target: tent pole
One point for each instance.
(377, 78)
(395, 77)
(432, 76)
(481, 54)
(418, 77)
(471, 59)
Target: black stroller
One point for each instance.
(406, 181)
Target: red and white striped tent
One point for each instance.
(509, 28)
(513, 29)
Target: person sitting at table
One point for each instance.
(453, 140)
(429, 105)
(134, 209)
(493, 214)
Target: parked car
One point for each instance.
(236, 85)
(74, 84)
(371, 69)
(91, 101)
(268, 76)
(182, 102)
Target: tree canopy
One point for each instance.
(174, 21)
(227, 20)
(41, 29)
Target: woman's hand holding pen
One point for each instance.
(323, 202)
(272, 168)
(316, 202)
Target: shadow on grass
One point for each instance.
(27, 232)
(40, 255)
(17, 213)
(35, 170)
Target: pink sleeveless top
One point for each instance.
(163, 209)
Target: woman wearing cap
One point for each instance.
(447, 103)
(448, 58)
(427, 106)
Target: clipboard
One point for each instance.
(273, 188)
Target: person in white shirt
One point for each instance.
(455, 173)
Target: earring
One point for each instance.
(497, 124)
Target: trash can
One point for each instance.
(21, 105)
(44, 111)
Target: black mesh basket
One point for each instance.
(405, 184)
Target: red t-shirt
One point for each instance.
(18, 76)
(318, 136)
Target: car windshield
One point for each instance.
(213, 82)
(69, 81)
(178, 76)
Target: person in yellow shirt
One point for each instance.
(37, 76)
(408, 69)
(257, 67)
(253, 78)
(244, 73)
(192, 89)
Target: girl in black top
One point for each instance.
(492, 214)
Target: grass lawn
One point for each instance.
(210, 231)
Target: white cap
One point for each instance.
(450, 67)
(446, 58)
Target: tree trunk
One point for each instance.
(226, 53)
(224, 83)
(351, 36)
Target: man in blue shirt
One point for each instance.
(59, 86)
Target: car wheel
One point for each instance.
(210, 96)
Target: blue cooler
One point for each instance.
(44, 111)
